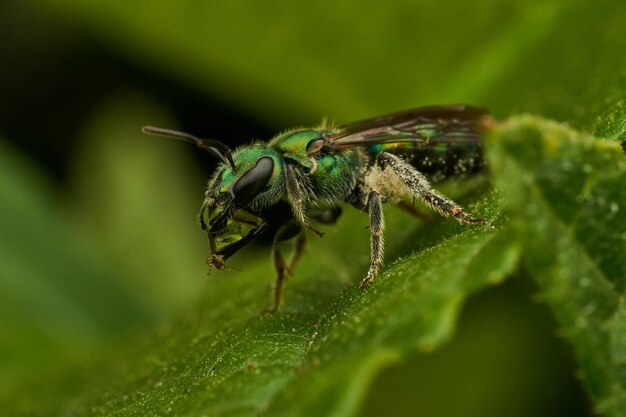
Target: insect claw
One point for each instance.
(367, 281)
(463, 218)
(316, 231)
(218, 261)
(269, 311)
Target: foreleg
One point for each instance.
(298, 193)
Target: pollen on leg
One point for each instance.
(377, 225)
(419, 186)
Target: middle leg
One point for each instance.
(377, 225)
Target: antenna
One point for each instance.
(214, 147)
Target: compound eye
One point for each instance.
(253, 181)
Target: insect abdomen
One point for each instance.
(439, 160)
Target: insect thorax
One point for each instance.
(337, 174)
(332, 175)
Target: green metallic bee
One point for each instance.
(315, 170)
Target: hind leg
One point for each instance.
(419, 187)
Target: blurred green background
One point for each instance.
(98, 239)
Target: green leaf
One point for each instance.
(566, 193)
(321, 353)
(224, 358)
(414, 307)
(560, 59)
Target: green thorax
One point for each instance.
(293, 144)
(333, 175)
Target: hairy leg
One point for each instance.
(419, 187)
(377, 225)
(298, 193)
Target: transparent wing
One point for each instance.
(440, 142)
(427, 125)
